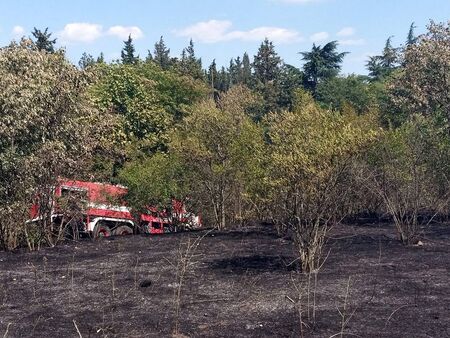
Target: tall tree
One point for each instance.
(321, 63)
(43, 40)
(189, 63)
(127, 53)
(389, 56)
(291, 79)
(423, 86)
(212, 75)
(381, 66)
(266, 65)
(411, 38)
(375, 67)
(246, 70)
(223, 83)
(266, 62)
(161, 54)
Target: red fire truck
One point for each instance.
(105, 212)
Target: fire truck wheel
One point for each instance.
(122, 230)
(101, 230)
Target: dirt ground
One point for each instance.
(240, 285)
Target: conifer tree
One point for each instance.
(411, 38)
(86, 60)
(101, 58)
(127, 54)
(161, 54)
(321, 63)
(149, 57)
(189, 64)
(213, 79)
(43, 40)
(266, 62)
(267, 71)
(246, 70)
(389, 55)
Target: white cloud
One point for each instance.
(346, 31)
(206, 31)
(352, 42)
(319, 36)
(18, 31)
(220, 30)
(123, 32)
(81, 32)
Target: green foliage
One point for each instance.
(220, 146)
(321, 63)
(147, 99)
(155, 181)
(353, 90)
(310, 152)
(291, 79)
(266, 67)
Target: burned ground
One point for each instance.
(240, 285)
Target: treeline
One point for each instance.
(258, 140)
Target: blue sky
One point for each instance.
(222, 29)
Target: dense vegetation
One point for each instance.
(262, 140)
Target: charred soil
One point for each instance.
(240, 284)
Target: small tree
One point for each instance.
(220, 147)
(410, 174)
(310, 153)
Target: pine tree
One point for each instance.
(149, 57)
(161, 54)
(266, 63)
(411, 38)
(212, 76)
(43, 41)
(86, 60)
(375, 67)
(232, 70)
(223, 80)
(189, 64)
(389, 55)
(101, 58)
(127, 54)
(380, 66)
(246, 70)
